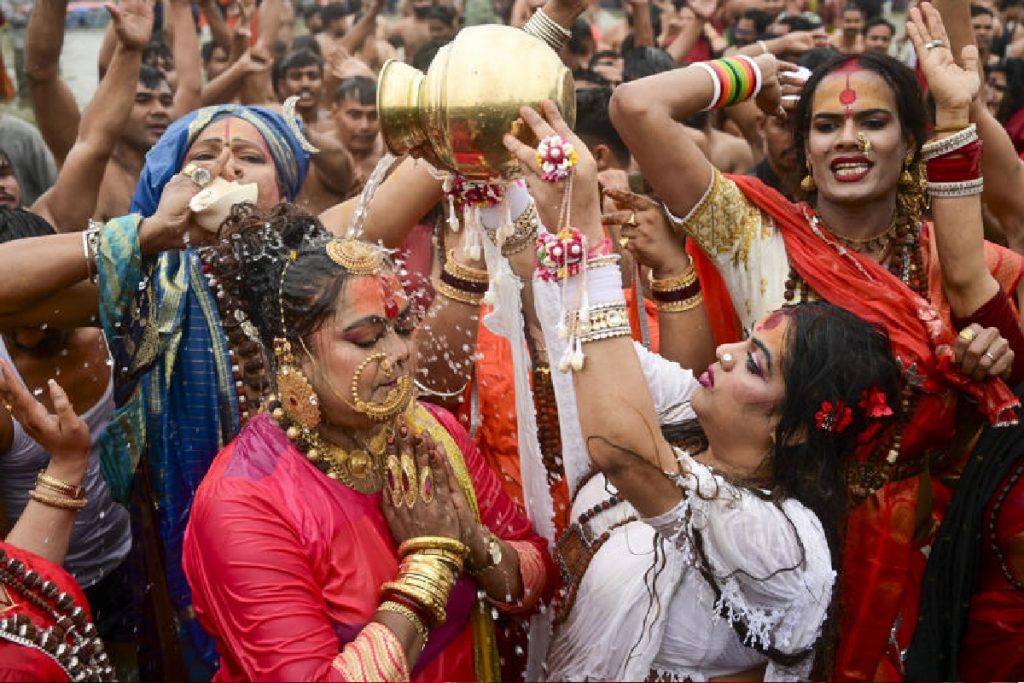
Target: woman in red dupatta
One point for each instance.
(347, 532)
(859, 244)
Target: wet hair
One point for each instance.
(331, 13)
(425, 55)
(645, 61)
(817, 56)
(151, 77)
(362, 89)
(254, 249)
(879, 21)
(796, 22)
(588, 76)
(442, 13)
(1013, 98)
(910, 109)
(760, 18)
(594, 125)
(601, 55)
(831, 355)
(156, 53)
(307, 42)
(981, 9)
(296, 59)
(19, 224)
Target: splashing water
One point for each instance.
(355, 229)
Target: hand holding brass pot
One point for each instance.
(456, 114)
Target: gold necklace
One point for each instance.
(360, 469)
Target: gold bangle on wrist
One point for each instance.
(680, 306)
(59, 502)
(59, 486)
(450, 292)
(417, 623)
(463, 272)
(431, 543)
(668, 284)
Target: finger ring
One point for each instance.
(631, 221)
(556, 156)
(394, 475)
(197, 174)
(989, 356)
(934, 43)
(623, 242)
(968, 334)
(409, 480)
(427, 485)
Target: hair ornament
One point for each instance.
(833, 417)
(874, 404)
(290, 118)
(355, 256)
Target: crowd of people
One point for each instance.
(723, 382)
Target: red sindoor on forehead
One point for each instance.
(848, 96)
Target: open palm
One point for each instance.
(952, 86)
(133, 22)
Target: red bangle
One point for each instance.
(957, 166)
(419, 610)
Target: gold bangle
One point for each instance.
(59, 502)
(437, 610)
(449, 292)
(525, 234)
(949, 129)
(433, 543)
(669, 284)
(680, 306)
(59, 486)
(396, 608)
(453, 560)
(434, 570)
(463, 272)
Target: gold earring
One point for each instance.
(298, 399)
(906, 177)
(807, 184)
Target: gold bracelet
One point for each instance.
(463, 272)
(669, 284)
(449, 292)
(949, 129)
(437, 609)
(433, 543)
(59, 502)
(453, 560)
(59, 486)
(525, 234)
(396, 608)
(680, 306)
(436, 570)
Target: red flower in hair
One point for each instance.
(833, 418)
(874, 403)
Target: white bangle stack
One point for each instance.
(544, 27)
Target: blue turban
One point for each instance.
(166, 157)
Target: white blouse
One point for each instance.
(643, 607)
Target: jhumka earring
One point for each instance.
(298, 399)
(807, 184)
(906, 177)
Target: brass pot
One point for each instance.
(456, 114)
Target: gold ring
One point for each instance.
(968, 334)
(197, 174)
(631, 221)
(427, 485)
(394, 475)
(409, 480)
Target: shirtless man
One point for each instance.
(413, 31)
(849, 40)
(301, 72)
(355, 123)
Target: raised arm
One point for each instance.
(647, 113)
(959, 233)
(185, 49)
(643, 28)
(219, 30)
(52, 101)
(625, 444)
(70, 203)
(226, 86)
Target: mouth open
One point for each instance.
(850, 169)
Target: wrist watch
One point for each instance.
(493, 551)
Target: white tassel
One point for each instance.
(577, 356)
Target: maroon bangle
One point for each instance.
(419, 610)
(682, 294)
(956, 166)
(463, 285)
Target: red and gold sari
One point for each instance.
(286, 565)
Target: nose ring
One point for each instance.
(863, 143)
(726, 357)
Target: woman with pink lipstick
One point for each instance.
(710, 551)
(860, 242)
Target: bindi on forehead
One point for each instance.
(854, 89)
(773, 320)
(376, 295)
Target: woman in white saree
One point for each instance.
(715, 558)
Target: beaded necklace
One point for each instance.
(72, 641)
(904, 262)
